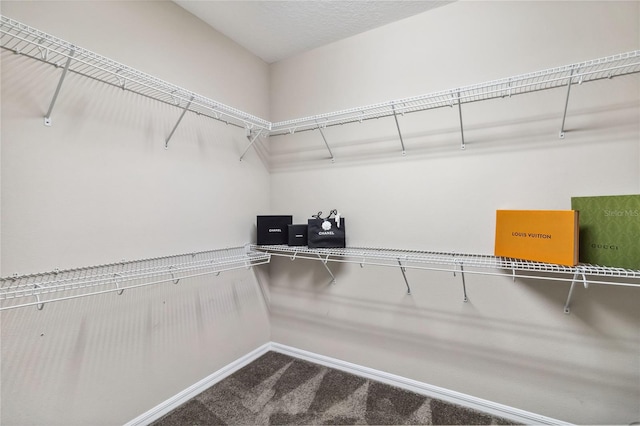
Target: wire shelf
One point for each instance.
(459, 262)
(41, 288)
(578, 73)
(25, 40)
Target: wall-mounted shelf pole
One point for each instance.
(568, 302)
(574, 281)
(461, 125)
(115, 280)
(464, 285)
(39, 306)
(395, 116)
(47, 117)
(325, 141)
(404, 275)
(324, 262)
(184, 111)
(251, 141)
(566, 103)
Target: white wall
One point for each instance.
(98, 186)
(510, 343)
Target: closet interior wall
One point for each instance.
(98, 186)
(511, 342)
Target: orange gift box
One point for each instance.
(549, 236)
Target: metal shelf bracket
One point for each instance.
(44, 52)
(121, 81)
(325, 142)
(404, 275)
(115, 280)
(324, 262)
(395, 117)
(39, 305)
(184, 111)
(566, 102)
(47, 117)
(461, 125)
(251, 141)
(173, 277)
(574, 281)
(465, 299)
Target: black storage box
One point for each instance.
(273, 230)
(298, 235)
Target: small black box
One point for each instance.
(298, 235)
(273, 230)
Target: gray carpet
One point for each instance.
(277, 389)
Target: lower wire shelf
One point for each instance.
(37, 289)
(462, 263)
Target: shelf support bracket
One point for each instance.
(574, 281)
(173, 277)
(566, 103)
(115, 280)
(324, 262)
(404, 275)
(325, 141)
(395, 117)
(465, 299)
(251, 141)
(39, 305)
(461, 125)
(184, 111)
(47, 117)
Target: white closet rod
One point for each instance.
(22, 39)
(37, 289)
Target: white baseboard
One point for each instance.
(504, 411)
(500, 410)
(177, 400)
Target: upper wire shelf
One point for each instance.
(454, 262)
(593, 70)
(23, 39)
(28, 41)
(37, 289)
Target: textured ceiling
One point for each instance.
(276, 30)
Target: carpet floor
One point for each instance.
(277, 389)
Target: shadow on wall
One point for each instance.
(442, 349)
(485, 337)
(309, 272)
(153, 341)
(593, 304)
